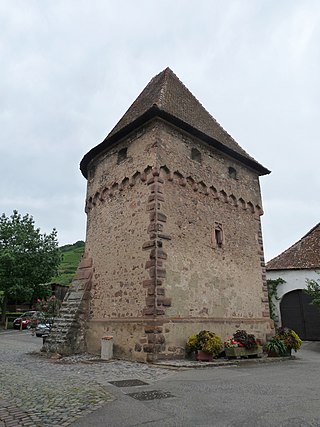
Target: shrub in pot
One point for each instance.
(204, 343)
(276, 347)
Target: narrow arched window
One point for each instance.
(195, 155)
(122, 155)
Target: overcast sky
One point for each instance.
(70, 69)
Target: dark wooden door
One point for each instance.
(298, 314)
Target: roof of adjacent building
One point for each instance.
(168, 98)
(304, 254)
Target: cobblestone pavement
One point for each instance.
(36, 391)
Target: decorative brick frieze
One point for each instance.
(155, 177)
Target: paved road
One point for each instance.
(47, 393)
(35, 391)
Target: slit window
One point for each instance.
(196, 155)
(218, 235)
(122, 155)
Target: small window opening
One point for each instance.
(196, 155)
(232, 172)
(122, 155)
(218, 235)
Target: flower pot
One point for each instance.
(204, 357)
(235, 352)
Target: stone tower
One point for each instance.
(174, 240)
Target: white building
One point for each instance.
(292, 306)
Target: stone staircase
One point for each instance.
(67, 335)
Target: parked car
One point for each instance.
(25, 318)
(29, 319)
(42, 329)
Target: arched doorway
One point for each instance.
(298, 314)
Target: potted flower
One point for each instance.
(205, 344)
(242, 344)
(276, 347)
(290, 338)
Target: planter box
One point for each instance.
(243, 352)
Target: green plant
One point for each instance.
(313, 290)
(205, 341)
(272, 285)
(49, 307)
(276, 346)
(245, 340)
(290, 338)
(27, 259)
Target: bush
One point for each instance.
(205, 341)
(290, 338)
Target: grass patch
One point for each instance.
(71, 255)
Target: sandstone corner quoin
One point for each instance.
(174, 241)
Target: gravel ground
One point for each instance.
(37, 391)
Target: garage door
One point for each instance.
(298, 314)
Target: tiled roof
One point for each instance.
(303, 254)
(167, 97)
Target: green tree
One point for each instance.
(313, 290)
(28, 259)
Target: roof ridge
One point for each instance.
(164, 86)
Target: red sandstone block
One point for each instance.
(265, 314)
(152, 272)
(150, 311)
(151, 180)
(150, 263)
(161, 217)
(161, 254)
(152, 227)
(148, 348)
(148, 245)
(150, 301)
(164, 236)
(162, 300)
(161, 272)
(147, 283)
(155, 188)
(151, 290)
